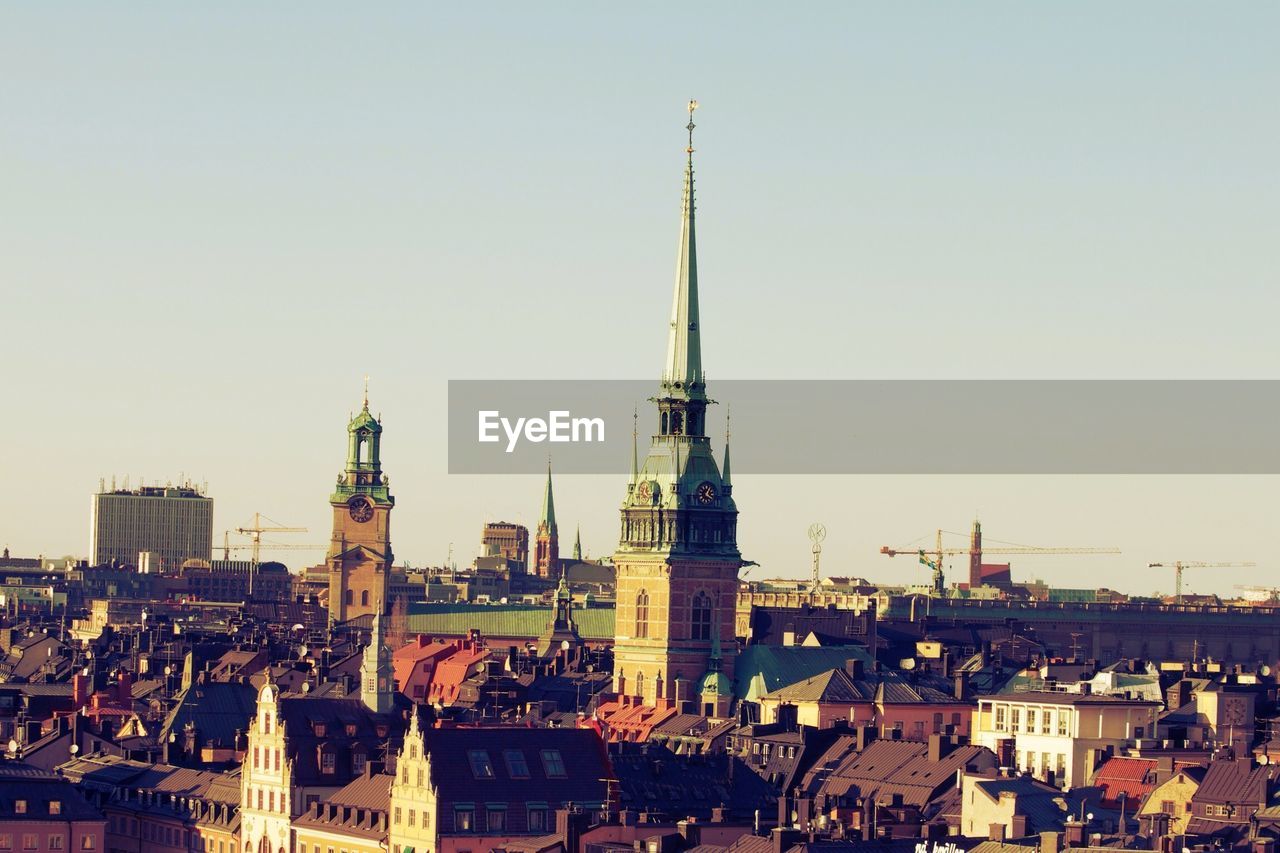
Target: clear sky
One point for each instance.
(214, 220)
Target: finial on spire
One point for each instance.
(366, 392)
(693, 105)
(635, 436)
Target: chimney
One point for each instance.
(863, 737)
(853, 666)
(1050, 842)
(960, 685)
(124, 688)
(939, 747)
(689, 831)
(1018, 826)
(79, 689)
(1073, 835)
(1086, 689)
(995, 832)
(784, 839)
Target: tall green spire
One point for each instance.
(682, 376)
(548, 505)
(725, 479)
(577, 544)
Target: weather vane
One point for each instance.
(693, 105)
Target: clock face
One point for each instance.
(705, 493)
(643, 491)
(360, 509)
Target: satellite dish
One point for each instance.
(13, 746)
(564, 645)
(75, 748)
(306, 687)
(1264, 759)
(302, 650)
(907, 663)
(1264, 670)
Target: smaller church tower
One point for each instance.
(377, 680)
(546, 561)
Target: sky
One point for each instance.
(215, 220)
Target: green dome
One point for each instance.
(715, 684)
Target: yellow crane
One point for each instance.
(1179, 565)
(255, 532)
(975, 552)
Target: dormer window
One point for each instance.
(328, 763)
(351, 729)
(382, 730)
(55, 807)
(481, 766)
(319, 728)
(19, 806)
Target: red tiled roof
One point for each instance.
(1132, 777)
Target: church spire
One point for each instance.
(577, 544)
(724, 475)
(683, 373)
(547, 545)
(548, 504)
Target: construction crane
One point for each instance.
(1179, 565)
(933, 558)
(1270, 593)
(227, 548)
(255, 533)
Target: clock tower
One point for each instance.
(359, 559)
(677, 561)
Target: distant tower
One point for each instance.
(677, 562)
(377, 681)
(975, 556)
(546, 559)
(577, 544)
(360, 557)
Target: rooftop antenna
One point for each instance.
(817, 533)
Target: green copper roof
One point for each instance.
(682, 375)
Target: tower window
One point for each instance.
(676, 423)
(364, 598)
(700, 617)
(642, 615)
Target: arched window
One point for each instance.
(364, 598)
(700, 617)
(663, 428)
(676, 423)
(642, 615)
(351, 597)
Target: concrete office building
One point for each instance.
(173, 524)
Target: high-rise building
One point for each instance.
(678, 560)
(546, 560)
(170, 524)
(359, 559)
(506, 540)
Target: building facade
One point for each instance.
(1060, 736)
(171, 524)
(507, 540)
(677, 560)
(360, 558)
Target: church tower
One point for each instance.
(360, 558)
(677, 562)
(377, 680)
(546, 555)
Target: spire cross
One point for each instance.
(693, 105)
(366, 390)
